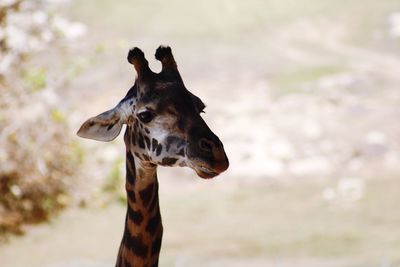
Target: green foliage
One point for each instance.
(34, 78)
(57, 116)
(2, 117)
(28, 201)
(77, 66)
(76, 152)
(36, 164)
(115, 181)
(100, 48)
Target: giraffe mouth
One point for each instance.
(205, 172)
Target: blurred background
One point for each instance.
(304, 95)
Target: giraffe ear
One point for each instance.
(104, 127)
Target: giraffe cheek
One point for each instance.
(168, 161)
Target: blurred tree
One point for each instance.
(36, 154)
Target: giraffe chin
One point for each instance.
(205, 173)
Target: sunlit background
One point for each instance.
(304, 95)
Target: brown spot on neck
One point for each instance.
(141, 243)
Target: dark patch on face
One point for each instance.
(147, 140)
(181, 152)
(173, 140)
(135, 215)
(126, 263)
(141, 141)
(110, 126)
(131, 102)
(136, 245)
(147, 130)
(132, 92)
(155, 247)
(169, 161)
(159, 148)
(146, 157)
(150, 96)
(171, 111)
(138, 155)
(168, 142)
(181, 124)
(133, 139)
(147, 193)
(154, 144)
(135, 132)
(153, 223)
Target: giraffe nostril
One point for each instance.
(206, 145)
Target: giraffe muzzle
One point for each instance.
(210, 159)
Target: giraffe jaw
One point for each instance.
(207, 170)
(201, 169)
(205, 173)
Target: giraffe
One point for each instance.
(163, 127)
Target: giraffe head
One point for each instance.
(164, 126)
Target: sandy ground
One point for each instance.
(223, 223)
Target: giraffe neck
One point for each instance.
(141, 243)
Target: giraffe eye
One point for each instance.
(146, 116)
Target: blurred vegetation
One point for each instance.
(37, 157)
(35, 78)
(115, 181)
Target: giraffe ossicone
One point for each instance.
(164, 127)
